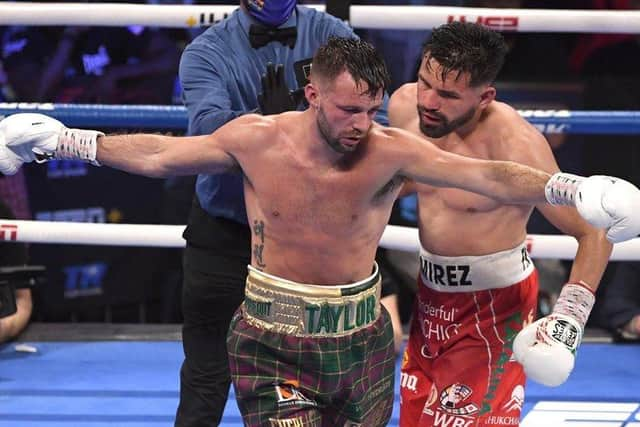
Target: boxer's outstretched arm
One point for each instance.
(603, 201)
(161, 156)
(35, 137)
(506, 181)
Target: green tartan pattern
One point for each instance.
(336, 379)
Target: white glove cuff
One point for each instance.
(78, 144)
(576, 301)
(561, 188)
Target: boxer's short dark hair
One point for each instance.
(363, 62)
(465, 47)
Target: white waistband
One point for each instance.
(475, 273)
(298, 288)
(304, 310)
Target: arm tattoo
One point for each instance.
(258, 248)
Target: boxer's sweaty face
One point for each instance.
(445, 103)
(346, 113)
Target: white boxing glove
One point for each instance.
(603, 201)
(26, 137)
(547, 348)
(9, 161)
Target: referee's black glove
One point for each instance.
(275, 97)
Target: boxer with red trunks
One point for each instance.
(477, 285)
(458, 362)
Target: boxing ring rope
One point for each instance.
(170, 236)
(174, 117)
(360, 16)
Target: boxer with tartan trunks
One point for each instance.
(297, 353)
(458, 367)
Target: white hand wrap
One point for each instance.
(561, 188)
(547, 348)
(575, 300)
(78, 144)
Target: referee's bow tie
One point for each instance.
(259, 35)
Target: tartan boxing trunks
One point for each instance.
(312, 355)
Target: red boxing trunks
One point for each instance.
(458, 369)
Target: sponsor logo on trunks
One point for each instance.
(257, 308)
(452, 400)
(498, 23)
(430, 316)
(426, 353)
(512, 326)
(405, 358)
(445, 420)
(442, 313)
(327, 317)
(8, 232)
(445, 275)
(524, 259)
(502, 421)
(287, 422)
(408, 381)
(435, 331)
(289, 395)
(517, 399)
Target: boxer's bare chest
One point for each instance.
(478, 145)
(302, 192)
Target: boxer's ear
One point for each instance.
(312, 94)
(487, 95)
